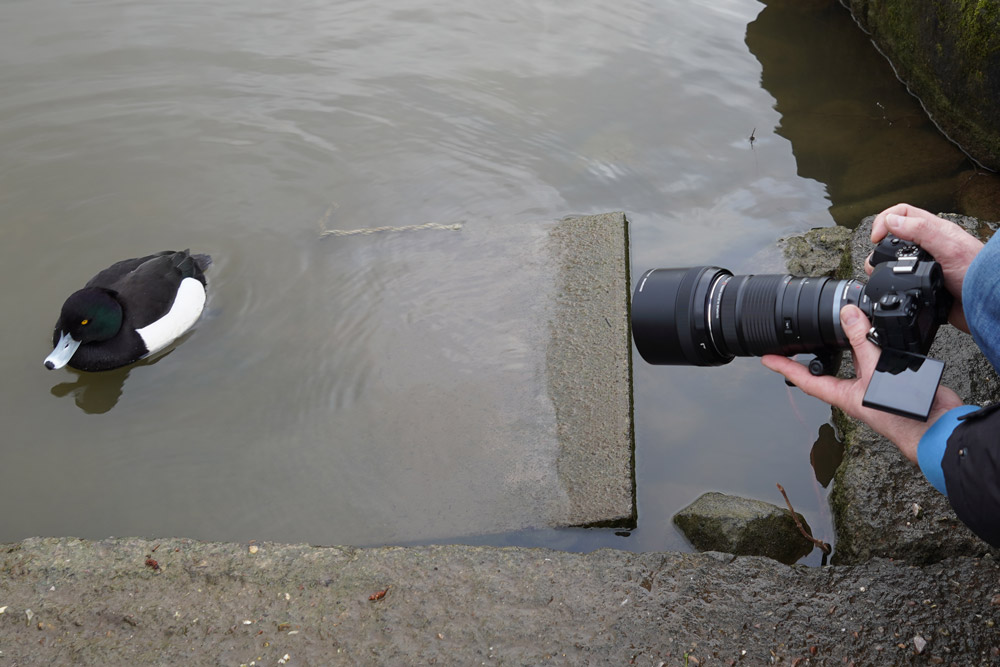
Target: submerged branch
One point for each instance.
(823, 546)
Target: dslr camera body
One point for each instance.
(706, 316)
(908, 297)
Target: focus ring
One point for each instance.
(727, 316)
(758, 314)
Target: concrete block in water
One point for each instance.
(588, 363)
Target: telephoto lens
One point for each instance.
(706, 316)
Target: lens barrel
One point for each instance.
(706, 316)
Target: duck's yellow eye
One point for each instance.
(84, 322)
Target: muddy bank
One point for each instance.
(232, 604)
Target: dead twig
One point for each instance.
(823, 546)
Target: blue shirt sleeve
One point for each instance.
(930, 449)
(979, 300)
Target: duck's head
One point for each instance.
(89, 315)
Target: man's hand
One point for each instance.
(952, 247)
(848, 394)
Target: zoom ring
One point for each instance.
(759, 330)
(748, 315)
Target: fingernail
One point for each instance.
(893, 221)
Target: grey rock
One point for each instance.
(818, 252)
(742, 526)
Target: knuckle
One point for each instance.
(921, 228)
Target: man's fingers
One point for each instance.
(948, 242)
(916, 228)
(879, 226)
(793, 371)
(856, 327)
(824, 387)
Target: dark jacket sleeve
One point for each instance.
(971, 467)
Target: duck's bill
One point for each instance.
(64, 351)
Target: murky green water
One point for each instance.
(232, 128)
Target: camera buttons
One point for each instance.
(889, 301)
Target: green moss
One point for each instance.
(948, 54)
(839, 498)
(975, 30)
(845, 271)
(845, 427)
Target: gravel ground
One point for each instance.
(69, 601)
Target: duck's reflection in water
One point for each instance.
(97, 393)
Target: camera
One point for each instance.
(706, 316)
